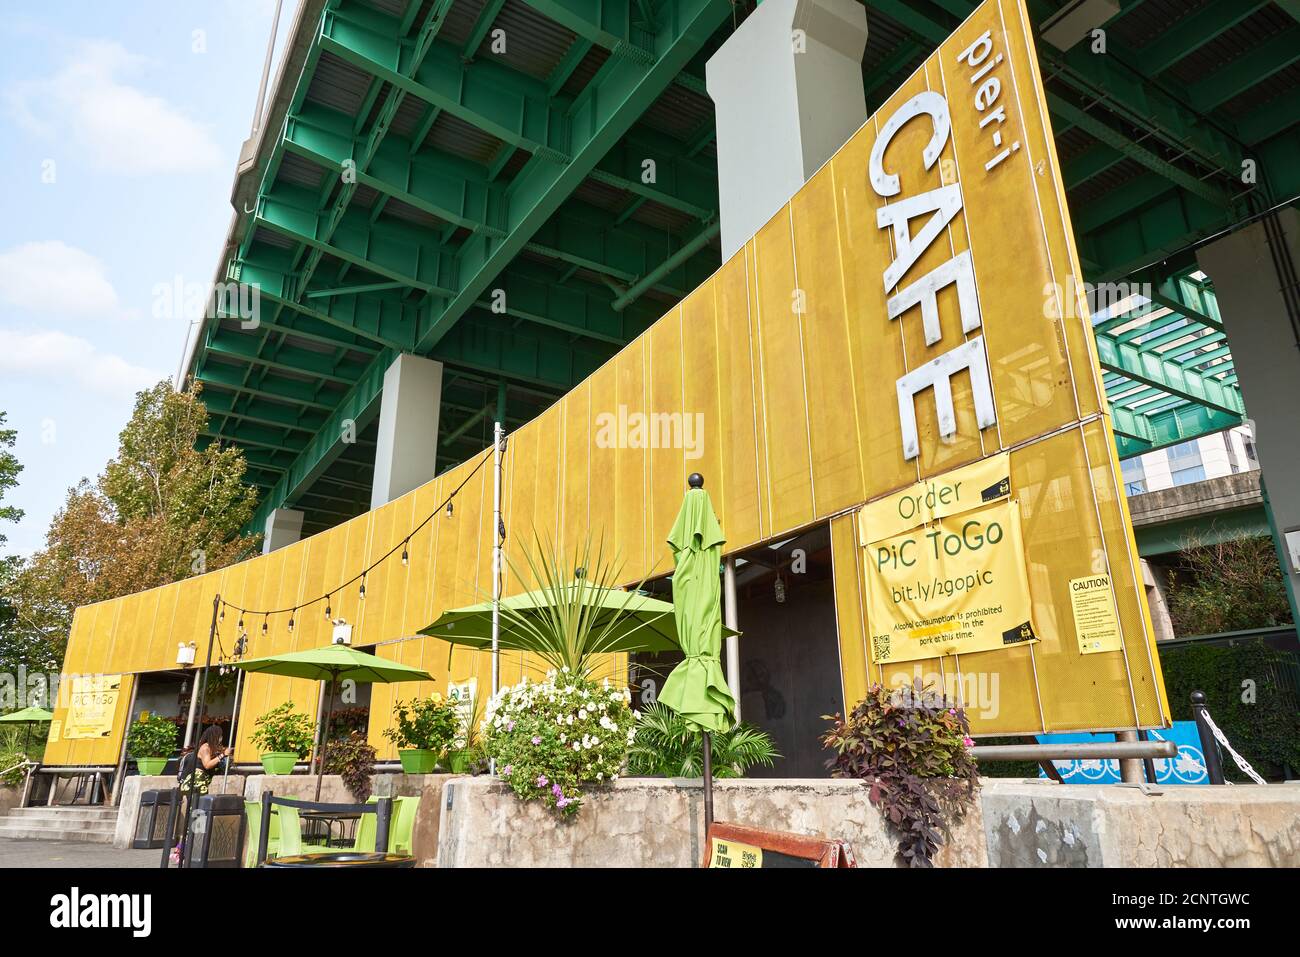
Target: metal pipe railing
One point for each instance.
(1119, 750)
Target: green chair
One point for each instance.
(253, 814)
(401, 827)
(290, 830)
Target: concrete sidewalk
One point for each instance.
(24, 853)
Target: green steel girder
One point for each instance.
(486, 17)
(1173, 352)
(262, 412)
(509, 105)
(1151, 369)
(599, 117)
(1194, 31)
(533, 295)
(452, 189)
(305, 325)
(679, 182)
(1142, 222)
(394, 252)
(247, 348)
(357, 409)
(262, 437)
(537, 356)
(1168, 428)
(1272, 56)
(607, 23)
(564, 69)
(1116, 80)
(384, 321)
(1119, 142)
(305, 394)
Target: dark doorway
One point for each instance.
(789, 649)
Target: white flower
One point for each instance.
(577, 746)
(582, 714)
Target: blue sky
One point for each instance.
(120, 126)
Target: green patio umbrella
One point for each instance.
(697, 688)
(640, 623)
(333, 663)
(29, 717)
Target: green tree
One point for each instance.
(163, 510)
(9, 469)
(1228, 586)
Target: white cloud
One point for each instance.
(54, 356)
(51, 278)
(122, 128)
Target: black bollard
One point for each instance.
(1209, 746)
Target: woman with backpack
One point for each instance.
(196, 770)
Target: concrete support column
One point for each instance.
(788, 91)
(1265, 343)
(283, 527)
(407, 452)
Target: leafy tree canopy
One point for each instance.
(163, 510)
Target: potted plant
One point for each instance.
(425, 728)
(554, 739)
(911, 746)
(666, 746)
(151, 741)
(285, 737)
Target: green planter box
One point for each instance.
(151, 766)
(279, 762)
(418, 760)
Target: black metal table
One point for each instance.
(329, 819)
(343, 859)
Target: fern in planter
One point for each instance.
(666, 747)
(912, 747)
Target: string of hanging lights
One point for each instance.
(327, 597)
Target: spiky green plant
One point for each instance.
(666, 747)
(584, 607)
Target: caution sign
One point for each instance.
(1095, 623)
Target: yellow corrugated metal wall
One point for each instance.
(788, 356)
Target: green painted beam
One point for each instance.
(576, 53)
(1258, 64)
(482, 24)
(305, 394)
(1211, 529)
(1170, 377)
(603, 22)
(490, 96)
(598, 119)
(357, 409)
(1194, 31)
(1118, 141)
(394, 252)
(1179, 425)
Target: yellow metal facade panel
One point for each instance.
(788, 356)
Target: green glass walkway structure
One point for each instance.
(518, 187)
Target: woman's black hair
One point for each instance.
(213, 737)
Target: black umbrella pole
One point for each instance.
(325, 738)
(708, 785)
(198, 722)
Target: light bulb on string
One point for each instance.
(291, 614)
(222, 616)
(450, 509)
(406, 560)
(327, 607)
(241, 621)
(263, 626)
(362, 593)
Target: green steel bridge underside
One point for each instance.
(423, 156)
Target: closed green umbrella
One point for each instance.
(333, 663)
(697, 688)
(29, 717)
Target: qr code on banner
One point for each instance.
(880, 647)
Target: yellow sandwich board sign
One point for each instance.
(996, 558)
